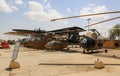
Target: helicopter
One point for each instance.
(92, 40)
(64, 37)
(36, 38)
(50, 40)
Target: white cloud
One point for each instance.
(69, 10)
(53, 13)
(39, 16)
(4, 7)
(48, 6)
(18, 2)
(45, 0)
(94, 9)
(35, 7)
(73, 11)
(14, 7)
(37, 12)
(99, 9)
(86, 10)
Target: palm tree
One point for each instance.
(114, 33)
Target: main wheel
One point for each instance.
(83, 51)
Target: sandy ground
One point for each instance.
(58, 63)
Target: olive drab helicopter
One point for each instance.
(92, 40)
(50, 40)
(36, 38)
(64, 37)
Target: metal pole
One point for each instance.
(88, 23)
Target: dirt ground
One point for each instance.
(59, 63)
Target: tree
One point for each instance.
(114, 33)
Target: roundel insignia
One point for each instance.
(84, 41)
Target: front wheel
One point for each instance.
(83, 51)
(106, 51)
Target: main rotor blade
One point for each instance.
(103, 21)
(86, 15)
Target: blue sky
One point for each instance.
(32, 14)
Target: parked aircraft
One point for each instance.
(52, 40)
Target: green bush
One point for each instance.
(11, 42)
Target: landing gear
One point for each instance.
(87, 50)
(84, 51)
(106, 51)
(91, 51)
